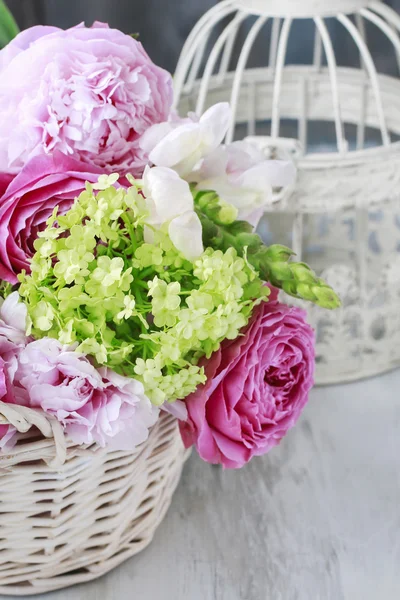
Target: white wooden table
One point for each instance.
(317, 519)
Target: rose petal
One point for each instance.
(257, 387)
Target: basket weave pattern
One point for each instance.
(70, 515)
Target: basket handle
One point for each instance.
(24, 418)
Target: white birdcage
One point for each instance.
(341, 125)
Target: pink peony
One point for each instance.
(44, 183)
(257, 386)
(13, 323)
(7, 432)
(88, 92)
(13, 315)
(7, 436)
(92, 405)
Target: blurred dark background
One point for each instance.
(163, 25)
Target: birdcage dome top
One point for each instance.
(301, 8)
(342, 83)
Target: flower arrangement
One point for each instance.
(132, 277)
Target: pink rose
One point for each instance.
(92, 405)
(45, 182)
(257, 386)
(88, 92)
(5, 180)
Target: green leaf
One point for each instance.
(8, 27)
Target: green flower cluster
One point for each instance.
(274, 263)
(138, 307)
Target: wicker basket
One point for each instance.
(69, 514)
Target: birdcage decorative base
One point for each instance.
(341, 126)
(68, 524)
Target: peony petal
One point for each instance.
(22, 42)
(14, 312)
(87, 92)
(177, 409)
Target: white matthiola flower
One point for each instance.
(170, 201)
(180, 145)
(241, 176)
(185, 232)
(167, 194)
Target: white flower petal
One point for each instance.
(182, 146)
(254, 217)
(176, 146)
(241, 176)
(280, 173)
(214, 125)
(243, 155)
(154, 135)
(226, 190)
(188, 164)
(258, 179)
(186, 234)
(169, 195)
(148, 235)
(214, 165)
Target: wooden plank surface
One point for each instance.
(316, 519)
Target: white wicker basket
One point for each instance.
(69, 514)
(343, 216)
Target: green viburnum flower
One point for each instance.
(148, 255)
(129, 308)
(272, 263)
(137, 306)
(165, 301)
